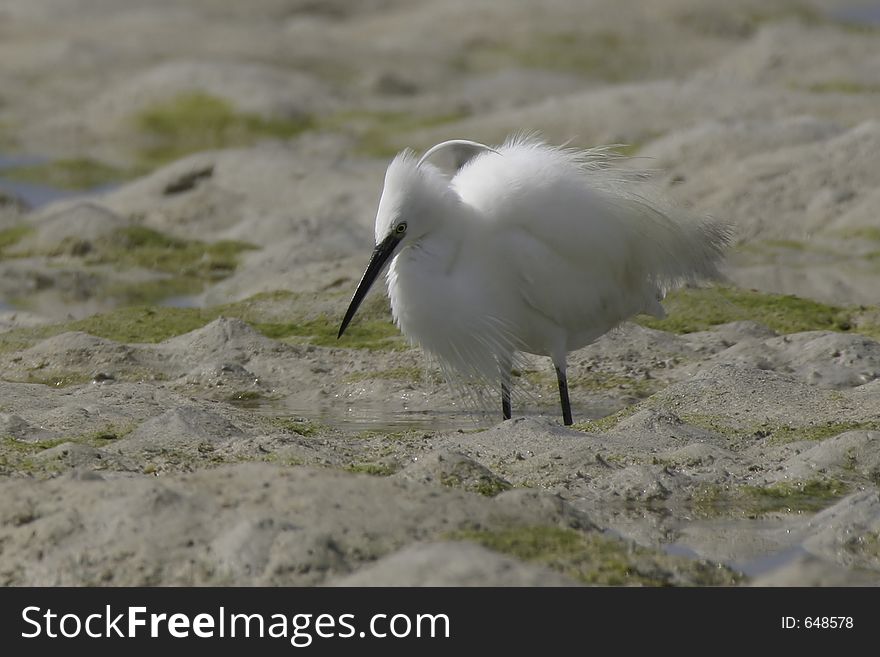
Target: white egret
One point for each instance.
(526, 248)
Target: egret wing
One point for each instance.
(587, 252)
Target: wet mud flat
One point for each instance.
(180, 232)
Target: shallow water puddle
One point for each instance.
(32, 194)
(357, 415)
(753, 567)
(865, 15)
(769, 562)
(182, 301)
(379, 419)
(751, 546)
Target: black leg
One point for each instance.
(504, 365)
(563, 396)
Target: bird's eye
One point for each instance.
(400, 229)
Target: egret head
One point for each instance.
(418, 193)
(416, 200)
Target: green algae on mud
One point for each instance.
(72, 174)
(181, 267)
(298, 425)
(794, 496)
(373, 335)
(865, 547)
(871, 233)
(186, 266)
(141, 324)
(13, 235)
(486, 484)
(596, 559)
(292, 317)
(166, 131)
(196, 121)
(373, 469)
(582, 53)
(781, 434)
(313, 319)
(136, 324)
(18, 457)
(139, 246)
(391, 374)
(598, 381)
(292, 320)
(247, 398)
(637, 385)
(699, 309)
(777, 433)
(383, 134)
(607, 423)
(797, 496)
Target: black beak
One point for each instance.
(381, 254)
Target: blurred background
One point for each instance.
(201, 151)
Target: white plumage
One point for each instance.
(527, 248)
